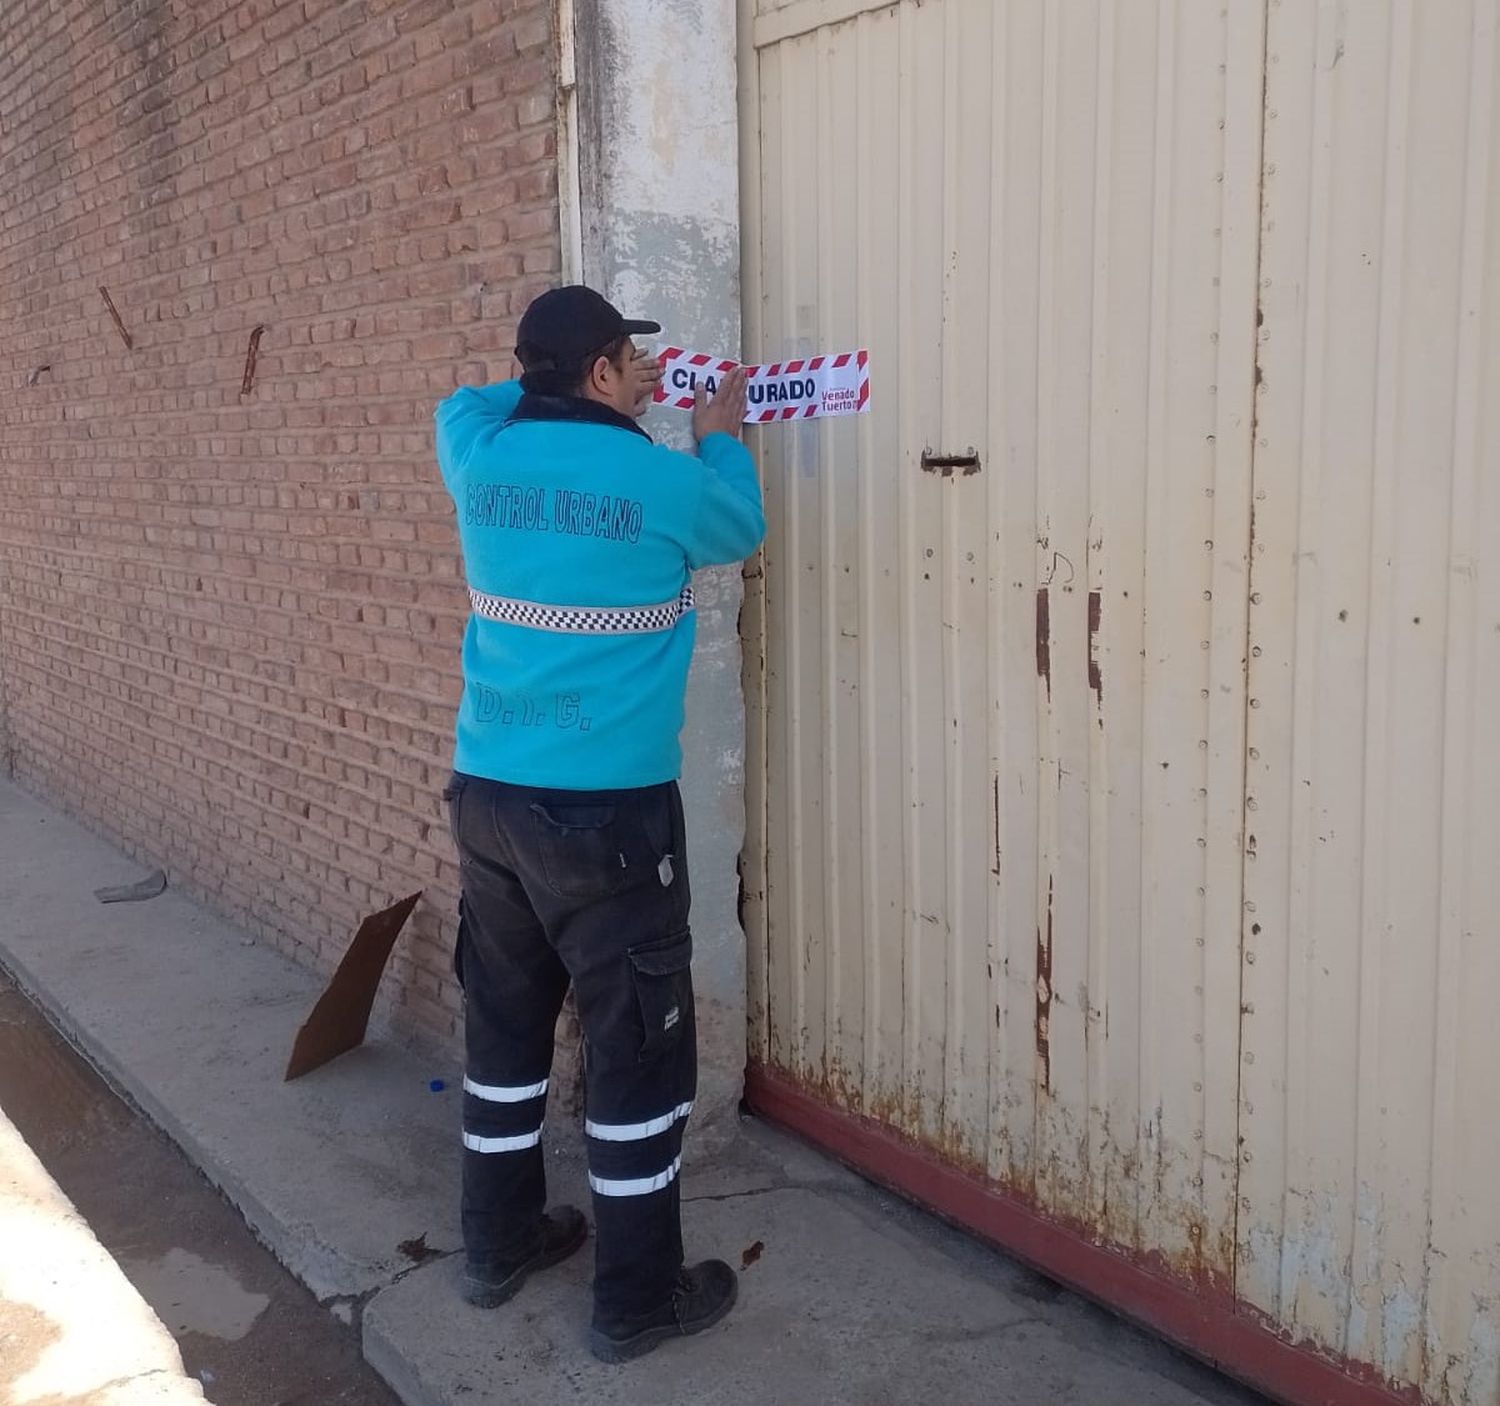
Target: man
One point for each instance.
(579, 538)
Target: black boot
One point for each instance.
(703, 1296)
(489, 1285)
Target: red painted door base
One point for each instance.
(1209, 1324)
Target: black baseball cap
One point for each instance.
(565, 326)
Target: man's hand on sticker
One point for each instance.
(645, 374)
(725, 413)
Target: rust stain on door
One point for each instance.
(1044, 637)
(996, 870)
(1044, 994)
(1096, 611)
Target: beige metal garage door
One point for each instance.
(1021, 889)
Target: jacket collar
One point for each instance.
(573, 409)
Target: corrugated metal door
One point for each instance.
(1016, 868)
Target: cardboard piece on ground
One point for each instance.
(339, 1020)
(154, 883)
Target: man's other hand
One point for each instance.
(645, 376)
(725, 413)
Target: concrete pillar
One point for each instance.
(658, 173)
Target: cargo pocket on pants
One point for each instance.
(663, 976)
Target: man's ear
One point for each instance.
(598, 374)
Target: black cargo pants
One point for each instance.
(589, 888)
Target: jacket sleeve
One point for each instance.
(472, 415)
(730, 521)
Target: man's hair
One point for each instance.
(542, 376)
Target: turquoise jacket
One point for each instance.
(579, 539)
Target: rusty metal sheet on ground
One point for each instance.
(338, 1021)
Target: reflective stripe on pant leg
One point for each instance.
(633, 1132)
(475, 1143)
(504, 1093)
(636, 1186)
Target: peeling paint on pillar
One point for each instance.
(659, 187)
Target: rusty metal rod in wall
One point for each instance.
(119, 322)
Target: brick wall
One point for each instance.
(229, 623)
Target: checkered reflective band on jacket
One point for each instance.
(581, 619)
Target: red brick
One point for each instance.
(229, 627)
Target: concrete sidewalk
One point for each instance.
(350, 1176)
(72, 1327)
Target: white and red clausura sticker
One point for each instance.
(783, 390)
